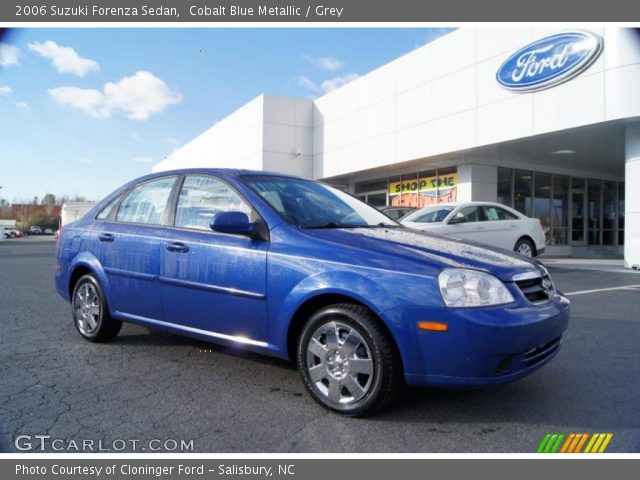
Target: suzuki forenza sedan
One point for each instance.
(303, 271)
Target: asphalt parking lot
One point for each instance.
(153, 385)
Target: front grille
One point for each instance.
(536, 290)
(539, 354)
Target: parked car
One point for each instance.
(10, 232)
(302, 271)
(48, 231)
(35, 230)
(489, 223)
(396, 213)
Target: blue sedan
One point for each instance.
(303, 271)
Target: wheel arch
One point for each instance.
(83, 264)
(531, 240)
(317, 302)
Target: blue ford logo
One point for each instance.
(549, 61)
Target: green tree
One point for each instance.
(49, 199)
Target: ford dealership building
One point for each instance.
(545, 121)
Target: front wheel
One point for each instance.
(90, 313)
(348, 361)
(525, 247)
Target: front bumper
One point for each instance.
(485, 346)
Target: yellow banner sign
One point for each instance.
(427, 185)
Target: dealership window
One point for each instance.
(621, 214)
(542, 202)
(609, 217)
(373, 192)
(571, 209)
(447, 179)
(424, 188)
(522, 191)
(505, 186)
(560, 210)
(594, 212)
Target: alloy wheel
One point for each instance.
(86, 304)
(339, 363)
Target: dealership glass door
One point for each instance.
(578, 211)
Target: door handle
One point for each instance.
(106, 237)
(479, 227)
(513, 225)
(177, 247)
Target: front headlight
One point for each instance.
(461, 287)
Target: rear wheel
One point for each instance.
(90, 313)
(348, 361)
(525, 247)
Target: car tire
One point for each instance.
(525, 247)
(90, 312)
(348, 361)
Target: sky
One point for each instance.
(83, 111)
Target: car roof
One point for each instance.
(465, 204)
(233, 172)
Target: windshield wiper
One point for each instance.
(350, 225)
(334, 225)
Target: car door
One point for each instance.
(213, 281)
(500, 227)
(130, 239)
(467, 223)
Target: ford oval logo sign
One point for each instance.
(549, 61)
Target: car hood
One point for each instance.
(435, 250)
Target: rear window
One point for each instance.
(147, 202)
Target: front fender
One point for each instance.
(380, 291)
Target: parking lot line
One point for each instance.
(624, 287)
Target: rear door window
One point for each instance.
(147, 202)
(497, 213)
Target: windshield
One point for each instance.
(429, 215)
(308, 204)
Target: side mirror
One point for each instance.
(456, 220)
(236, 223)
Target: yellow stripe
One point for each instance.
(583, 439)
(567, 442)
(590, 444)
(598, 442)
(606, 442)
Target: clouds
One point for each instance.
(336, 82)
(8, 55)
(64, 59)
(137, 97)
(5, 90)
(325, 86)
(328, 64)
(325, 63)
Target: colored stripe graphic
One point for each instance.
(550, 443)
(574, 442)
(598, 443)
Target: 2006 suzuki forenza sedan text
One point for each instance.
(301, 270)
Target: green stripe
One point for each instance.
(543, 443)
(551, 443)
(558, 443)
